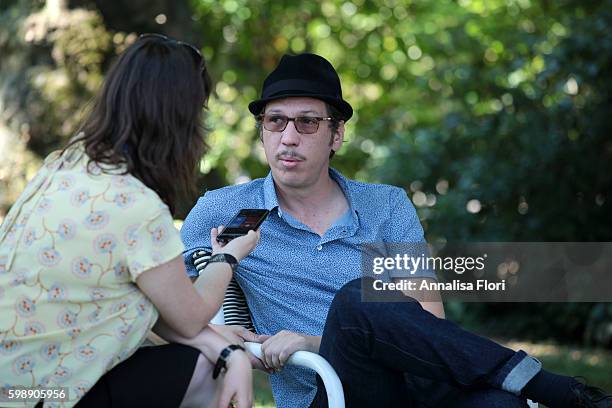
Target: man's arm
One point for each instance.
(405, 227)
(195, 231)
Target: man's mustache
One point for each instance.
(289, 154)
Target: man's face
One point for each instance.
(299, 160)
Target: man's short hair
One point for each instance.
(334, 124)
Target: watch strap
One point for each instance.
(221, 363)
(227, 258)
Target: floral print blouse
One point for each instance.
(71, 249)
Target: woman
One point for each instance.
(90, 260)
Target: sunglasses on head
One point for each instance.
(192, 48)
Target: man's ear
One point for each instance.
(338, 137)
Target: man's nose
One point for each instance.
(290, 136)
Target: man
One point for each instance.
(386, 354)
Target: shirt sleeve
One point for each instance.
(405, 242)
(195, 231)
(152, 243)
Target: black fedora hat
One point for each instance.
(307, 75)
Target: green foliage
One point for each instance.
(52, 64)
(500, 102)
(492, 114)
(573, 323)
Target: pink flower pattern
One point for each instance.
(67, 229)
(96, 220)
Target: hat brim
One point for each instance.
(345, 109)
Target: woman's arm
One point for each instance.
(237, 379)
(187, 310)
(208, 341)
(179, 304)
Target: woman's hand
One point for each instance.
(239, 247)
(237, 384)
(238, 335)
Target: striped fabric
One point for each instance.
(235, 309)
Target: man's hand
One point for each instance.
(238, 335)
(277, 349)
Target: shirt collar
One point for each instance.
(269, 190)
(344, 186)
(271, 199)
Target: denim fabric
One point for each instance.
(521, 373)
(374, 345)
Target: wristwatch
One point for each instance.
(227, 258)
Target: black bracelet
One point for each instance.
(221, 363)
(227, 258)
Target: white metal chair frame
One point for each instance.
(333, 386)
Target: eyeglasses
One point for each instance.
(196, 53)
(303, 124)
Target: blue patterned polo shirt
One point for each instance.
(292, 275)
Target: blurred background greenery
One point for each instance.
(494, 115)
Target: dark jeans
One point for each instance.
(395, 354)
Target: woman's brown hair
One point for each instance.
(148, 116)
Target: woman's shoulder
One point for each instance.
(102, 187)
(130, 193)
(117, 191)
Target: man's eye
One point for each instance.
(275, 119)
(308, 121)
